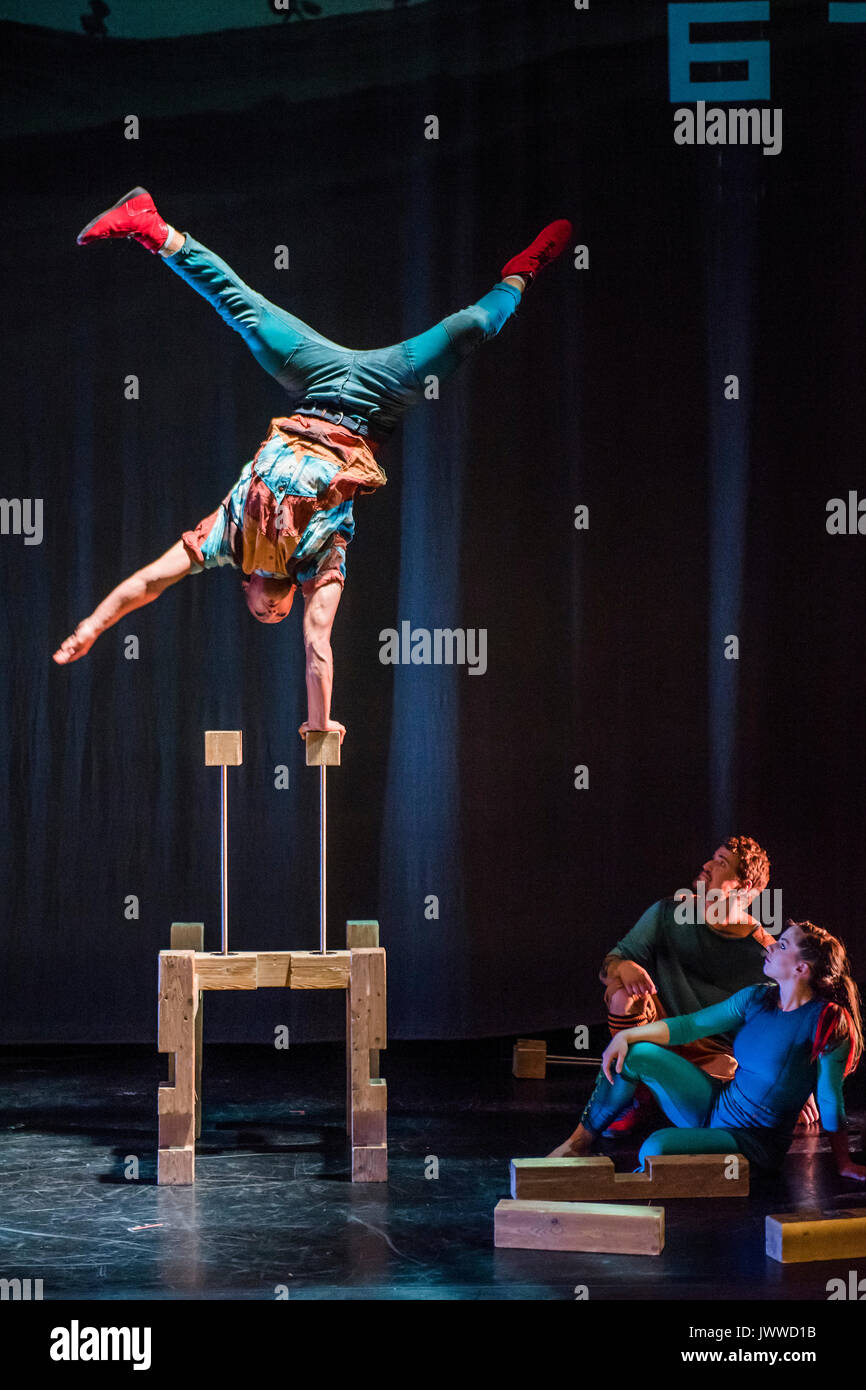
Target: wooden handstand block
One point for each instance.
(816, 1235)
(223, 748)
(593, 1179)
(322, 747)
(529, 1058)
(588, 1226)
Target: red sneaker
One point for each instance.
(545, 248)
(626, 1121)
(133, 215)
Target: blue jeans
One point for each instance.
(376, 386)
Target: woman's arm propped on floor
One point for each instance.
(140, 588)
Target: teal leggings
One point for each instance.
(375, 386)
(686, 1094)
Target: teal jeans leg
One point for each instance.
(382, 381)
(688, 1141)
(685, 1093)
(441, 349)
(272, 334)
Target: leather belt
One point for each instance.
(351, 422)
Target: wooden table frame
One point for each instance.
(186, 971)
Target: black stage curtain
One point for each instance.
(605, 646)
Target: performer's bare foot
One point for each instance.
(308, 728)
(75, 646)
(577, 1144)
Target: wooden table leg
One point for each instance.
(189, 936)
(177, 1016)
(368, 1095)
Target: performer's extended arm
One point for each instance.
(140, 588)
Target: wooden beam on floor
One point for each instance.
(593, 1178)
(798, 1236)
(585, 1226)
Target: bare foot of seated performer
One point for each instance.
(288, 519)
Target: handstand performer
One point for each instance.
(801, 1034)
(287, 520)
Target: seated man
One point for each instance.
(679, 958)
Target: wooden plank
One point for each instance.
(368, 1095)
(562, 1179)
(322, 747)
(586, 1226)
(189, 936)
(310, 970)
(370, 1112)
(593, 1179)
(360, 933)
(176, 1010)
(368, 985)
(226, 972)
(798, 1236)
(370, 1163)
(348, 1063)
(176, 1034)
(223, 748)
(529, 1058)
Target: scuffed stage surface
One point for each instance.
(273, 1213)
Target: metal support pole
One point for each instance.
(323, 890)
(224, 857)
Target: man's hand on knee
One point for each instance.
(635, 980)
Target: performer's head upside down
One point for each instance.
(287, 520)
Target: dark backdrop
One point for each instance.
(605, 647)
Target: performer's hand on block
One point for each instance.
(308, 728)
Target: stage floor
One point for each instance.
(272, 1213)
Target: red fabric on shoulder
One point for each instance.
(831, 1016)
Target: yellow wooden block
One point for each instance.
(323, 747)
(815, 1235)
(223, 748)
